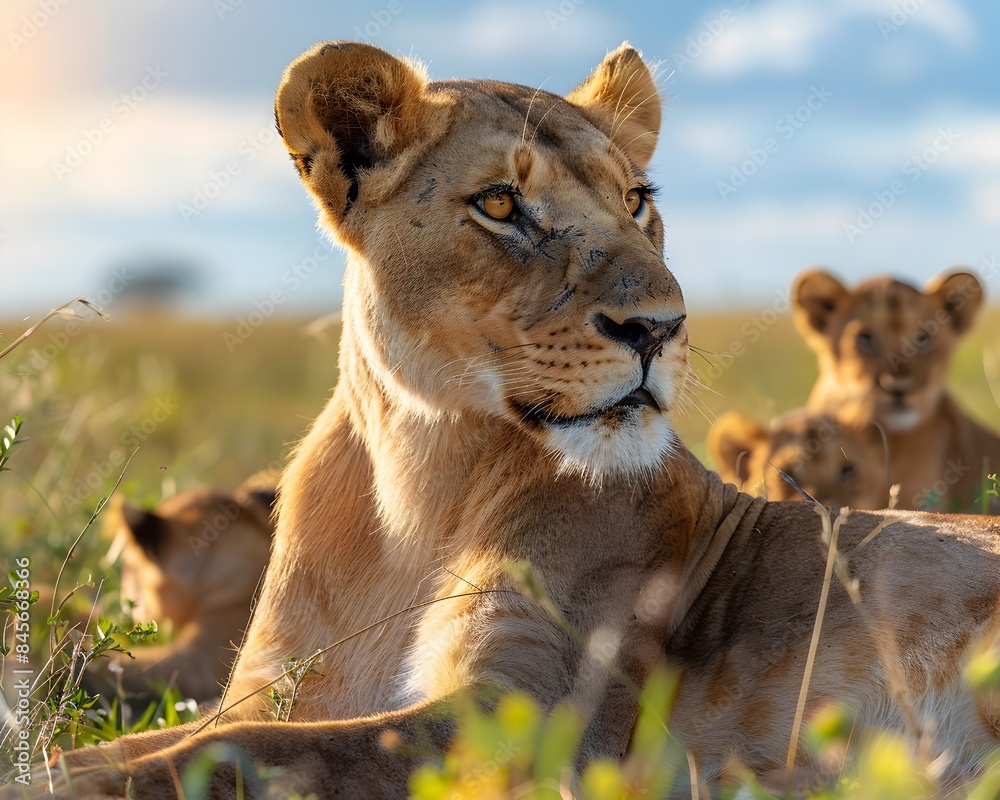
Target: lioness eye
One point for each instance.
(847, 473)
(498, 206)
(634, 202)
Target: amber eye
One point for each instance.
(634, 202)
(498, 206)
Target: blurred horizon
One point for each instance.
(140, 163)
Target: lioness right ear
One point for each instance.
(343, 108)
(815, 296)
(731, 440)
(621, 98)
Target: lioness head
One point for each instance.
(884, 347)
(836, 464)
(505, 253)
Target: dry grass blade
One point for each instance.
(54, 312)
(831, 531)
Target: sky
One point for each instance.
(860, 135)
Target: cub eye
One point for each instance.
(635, 202)
(865, 342)
(498, 206)
(847, 473)
(922, 340)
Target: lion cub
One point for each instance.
(195, 562)
(836, 464)
(884, 350)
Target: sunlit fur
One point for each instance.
(453, 526)
(884, 349)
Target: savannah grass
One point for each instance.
(65, 416)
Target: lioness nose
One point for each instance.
(645, 336)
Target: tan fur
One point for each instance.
(884, 350)
(832, 462)
(485, 416)
(192, 565)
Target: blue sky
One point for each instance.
(133, 129)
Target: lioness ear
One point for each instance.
(961, 294)
(815, 296)
(620, 97)
(731, 441)
(342, 108)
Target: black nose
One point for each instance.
(645, 336)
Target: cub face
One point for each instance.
(505, 249)
(835, 464)
(883, 347)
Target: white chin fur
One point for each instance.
(897, 421)
(595, 448)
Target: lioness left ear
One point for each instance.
(620, 97)
(343, 108)
(960, 293)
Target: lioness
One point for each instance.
(832, 462)
(883, 350)
(195, 563)
(512, 347)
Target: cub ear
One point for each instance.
(731, 440)
(960, 293)
(342, 108)
(815, 296)
(145, 528)
(265, 497)
(620, 97)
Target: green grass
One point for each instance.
(774, 370)
(156, 405)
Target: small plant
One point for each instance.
(990, 487)
(9, 439)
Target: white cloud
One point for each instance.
(780, 36)
(515, 30)
(787, 37)
(948, 19)
(84, 155)
(984, 203)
